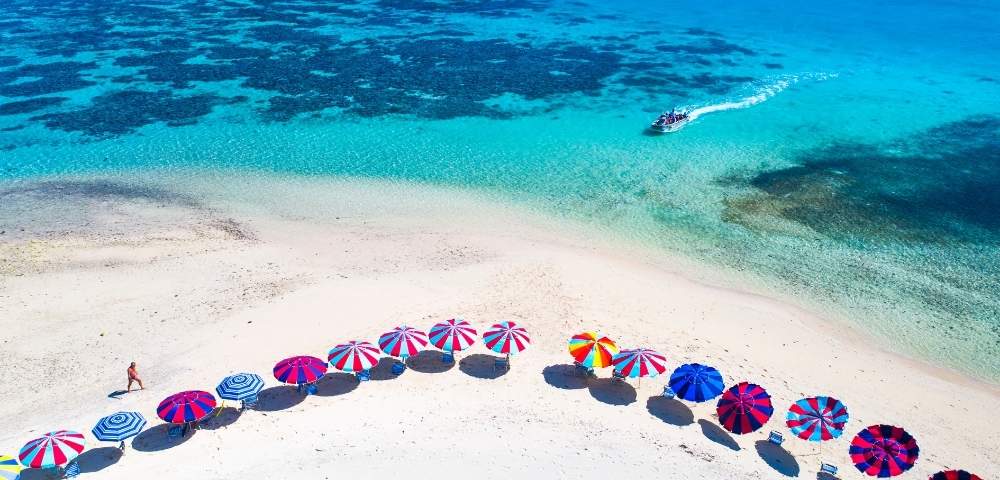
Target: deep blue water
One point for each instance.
(849, 153)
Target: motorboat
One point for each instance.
(670, 122)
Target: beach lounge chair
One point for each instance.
(827, 469)
(72, 470)
(775, 438)
(175, 431)
(448, 357)
(398, 368)
(364, 375)
(500, 364)
(668, 392)
(250, 403)
(583, 371)
(617, 377)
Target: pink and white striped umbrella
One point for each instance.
(506, 337)
(453, 335)
(640, 362)
(354, 356)
(402, 342)
(54, 449)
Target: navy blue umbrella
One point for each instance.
(240, 386)
(119, 426)
(696, 382)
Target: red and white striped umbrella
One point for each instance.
(506, 337)
(354, 356)
(54, 449)
(453, 335)
(641, 362)
(402, 341)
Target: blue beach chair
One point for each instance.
(827, 469)
(364, 375)
(775, 438)
(448, 357)
(668, 392)
(617, 377)
(72, 470)
(250, 403)
(398, 368)
(500, 364)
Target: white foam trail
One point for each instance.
(764, 92)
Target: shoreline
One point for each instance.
(439, 251)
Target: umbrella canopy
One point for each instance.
(184, 407)
(506, 337)
(817, 418)
(299, 370)
(696, 382)
(54, 449)
(744, 408)
(641, 362)
(9, 468)
(119, 426)
(453, 335)
(954, 475)
(240, 386)
(402, 342)
(354, 356)
(592, 350)
(884, 451)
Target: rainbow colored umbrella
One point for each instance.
(884, 451)
(591, 350)
(453, 335)
(817, 418)
(54, 449)
(299, 370)
(744, 408)
(184, 407)
(9, 468)
(954, 475)
(641, 362)
(697, 383)
(402, 342)
(506, 337)
(354, 356)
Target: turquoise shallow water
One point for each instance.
(847, 155)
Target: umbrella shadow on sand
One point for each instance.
(36, 474)
(716, 434)
(225, 417)
(429, 361)
(612, 392)
(564, 376)
(383, 370)
(279, 397)
(336, 383)
(98, 459)
(479, 365)
(778, 458)
(669, 410)
(156, 439)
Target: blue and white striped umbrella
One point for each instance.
(240, 386)
(118, 426)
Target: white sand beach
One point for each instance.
(231, 274)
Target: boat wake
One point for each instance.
(763, 93)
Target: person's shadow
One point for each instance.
(97, 459)
(716, 434)
(777, 458)
(670, 410)
(117, 394)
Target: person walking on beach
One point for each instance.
(133, 376)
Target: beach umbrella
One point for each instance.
(453, 335)
(696, 382)
(118, 426)
(184, 407)
(817, 418)
(592, 350)
(641, 362)
(299, 370)
(9, 468)
(54, 449)
(884, 451)
(954, 475)
(240, 386)
(744, 408)
(402, 342)
(354, 356)
(506, 337)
